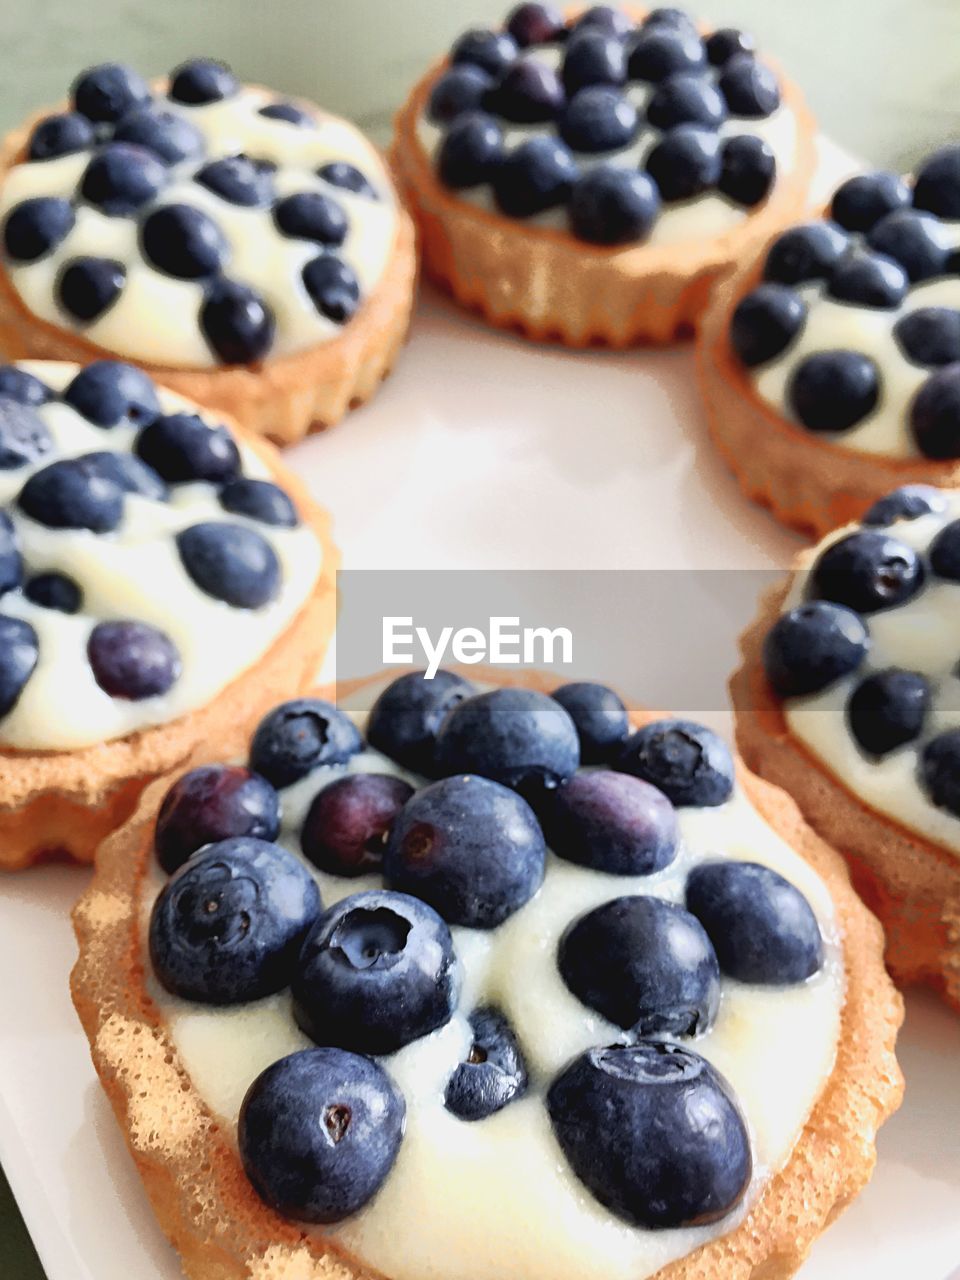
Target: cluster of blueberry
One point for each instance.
(586, 110)
(228, 561)
(884, 237)
(242, 917)
(827, 639)
(138, 148)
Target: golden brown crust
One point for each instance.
(283, 398)
(192, 1171)
(911, 884)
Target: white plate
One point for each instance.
(481, 452)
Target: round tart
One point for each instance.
(830, 363)
(848, 699)
(163, 580)
(248, 251)
(588, 179)
(375, 1017)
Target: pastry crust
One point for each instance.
(283, 398)
(552, 287)
(192, 1170)
(911, 884)
(64, 803)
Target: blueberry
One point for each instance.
(860, 202)
(599, 118)
(494, 1073)
(867, 571)
(593, 57)
(469, 847)
(19, 653)
(288, 112)
(806, 252)
(170, 136)
(184, 242)
(937, 186)
(202, 80)
(529, 92)
(237, 180)
(25, 388)
(460, 89)
(36, 227)
(129, 473)
(935, 414)
(726, 43)
(236, 322)
(909, 502)
(834, 390)
(599, 716)
(106, 93)
(108, 392)
(181, 447)
(333, 287)
(605, 18)
(675, 19)
(54, 591)
(60, 135)
(868, 279)
(762, 927)
(748, 169)
(300, 736)
(470, 152)
(121, 178)
(132, 660)
(930, 335)
(654, 1132)
(87, 287)
(536, 176)
(348, 823)
(229, 925)
(749, 87)
(405, 718)
(812, 646)
(230, 563)
(11, 562)
(888, 709)
(23, 434)
(72, 493)
(685, 162)
(661, 52)
(688, 762)
(614, 823)
(939, 768)
(914, 240)
(319, 1132)
(765, 322)
(945, 552)
(377, 971)
(259, 500)
(210, 804)
(310, 215)
(348, 177)
(535, 24)
(518, 737)
(492, 51)
(613, 206)
(685, 98)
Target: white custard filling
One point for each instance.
(134, 573)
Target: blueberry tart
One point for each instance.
(248, 250)
(163, 579)
(587, 177)
(830, 364)
(364, 1004)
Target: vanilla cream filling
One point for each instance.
(134, 573)
(156, 317)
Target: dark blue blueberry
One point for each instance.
(937, 186)
(60, 135)
(183, 242)
(377, 971)
(289, 112)
(349, 822)
(684, 98)
(613, 206)
(35, 227)
(470, 152)
(460, 89)
(765, 322)
(749, 87)
(593, 57)
(132, 660)
(202, 80)
(860, 202)
(72, 493)
(493, 51)
(867, 571)
(348, 177)
(599, 118)
(939, 768)
(930, 335)
(613, 823)
(471, 848)
(129, 473)
(599, 716)
(494, 1073)
(238, 180)
(87, 287)
(675, 19)
(748, 169)
(236, 322)
(834, 390)
(23, 434)
(914, 240)
(688, 762)
(529, 92)
(231, 563)
(300, 736)
(909, 502)
(868, 279)
(945, 552)
(685, 162)
(535, 24)
(726, 43)
(807, 252)
(319, 1132)
(888, 709)
(181, 447)
(54, 591)
(813, 645)
(536, 176)
(259, 500)
(935, 414)
(407, 715)
(106, 93)
(310, 215)
(662, 52)
(108, 392)
(11, 562)
(121, 178)
(19, 652)
(605, 18)
(25, 388)
(761, 926)
(645, 964)
(333, 287)
(168, 134)
(228, 927)
(210, 804)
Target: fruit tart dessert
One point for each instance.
(516, 986)
(588, 178)
(248, 250)
(163, 580)
(830, 364)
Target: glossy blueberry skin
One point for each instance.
(299, 736)
(19, 652)
(349, 821)
(289, 112)
(108, 392)
(888, 709)
(613, 823)
(494, 1073)
(688, 762)
(105, 94)
(60, 135)
(868, 279)
(11, 562)
(930, 335)
(319, 1132)
(593, 57)
(202, 80)
(183, 242)
(72, 493)
(333, 287)
(348, 177)
(912, 239)
(231, 563)
(834, 390)
(726, 43)
(665, 16)
(684, 98)
(167, 134)
(860, 202)
(685, 162)
(530, 92)
(599, 716)
(460, 89)
(259, 500)
(939, 768)
(606, 18)
(909, 502)
(36, 226)
(132, 660)
(492, 51)
(937, 186)
(211, 804)
(535, 24)
(945, 552)
(54, 591)
(228, 926)
(749, 87)
(748, 169)
(181, 447)
(470, 152)
(613, 206)
(16, 384)
(129, 473)
(812, 646)
(377, 971)
(237, 180)
(236, 322)
(87, 287)
(661, 52)
(122, 178)
(765, 322)
(405, 718)
(867, 571)
(935, 414)
(536, 176)
(469, 847)
(599, 118)
(23, 434)
(807, 252)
